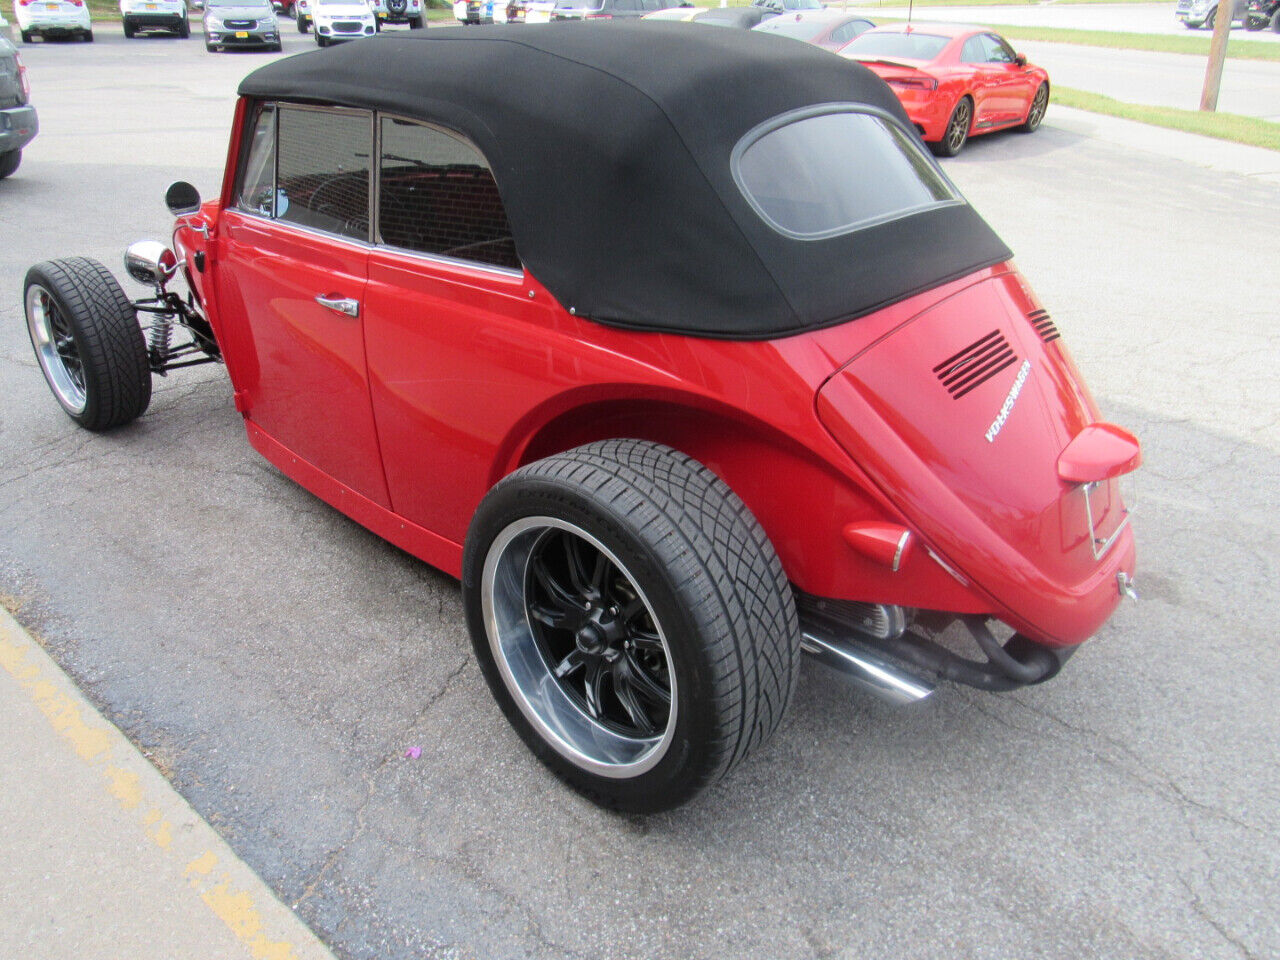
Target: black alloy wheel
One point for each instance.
(596, 634)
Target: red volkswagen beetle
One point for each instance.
(955, 81)
(678, 393)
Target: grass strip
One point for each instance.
(1154, 42)
(1220, 126)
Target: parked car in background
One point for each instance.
(412, 12)
(336, 21)
(241, 23)
(721, 370)
(530, 11)
(742, 18)
(783, 6)
(955, 81)
(1263, 13)
(1204, 13)
(606, 9)
(53, 19)
(18, 122)
(479, 11)
(141, 16)
(302, 14)
(674, 13)
(830, 28)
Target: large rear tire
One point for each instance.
(632, 620)
(86, 337)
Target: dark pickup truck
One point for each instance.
(17, 117)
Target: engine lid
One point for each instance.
(961, 416)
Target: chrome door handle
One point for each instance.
(350, 307)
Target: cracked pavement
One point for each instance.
(281, 659)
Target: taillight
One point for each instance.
(23, 83)
(76, 3)
(23, 3)
(599, 16)
(914, 83)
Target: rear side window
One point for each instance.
(817, 175)
(323, 170)
(437, 195)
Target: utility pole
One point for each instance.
(1217, 54)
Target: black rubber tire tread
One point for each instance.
(726, 576)
(1025, 126)
(112, 351)
(9, 162)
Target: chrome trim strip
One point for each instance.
(1096, 544)
(902, 545)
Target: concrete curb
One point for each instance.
(103, 858)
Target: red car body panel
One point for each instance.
(930, 89)
(453, 376)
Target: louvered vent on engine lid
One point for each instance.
(975, 364)
(1044, 325)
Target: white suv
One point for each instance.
(139, 16)
(337, 20)
(53, 18)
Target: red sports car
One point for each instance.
(954, 81)
(677, 393)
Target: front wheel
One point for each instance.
(1035, 113)
(957, 132)
(9, 163)
(632, 620)
(86, 337)
(88, 36)
(302, 24)
(128, 30)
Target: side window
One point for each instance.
(257, 186)
(847, 32)
(973, 51)
(997, 50)
(323, 170)
(436, 194)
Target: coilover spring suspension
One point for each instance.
(158, 339)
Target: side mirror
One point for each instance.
(182, 198)
(1020, 59)
(150, 262)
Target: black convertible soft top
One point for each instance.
(611, 146)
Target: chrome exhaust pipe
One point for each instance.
(866, 669)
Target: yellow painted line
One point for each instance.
(263, 926)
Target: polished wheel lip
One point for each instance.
(562, 723)
(43, 319)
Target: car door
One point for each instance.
(1015, 85)
(292, 268)
(985, 82)
(459, 341)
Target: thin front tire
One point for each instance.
(87, 341)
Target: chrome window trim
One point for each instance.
(374, 240)
(910, 138)
(434, 257)
(282, 105)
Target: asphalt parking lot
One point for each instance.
(276, 660)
